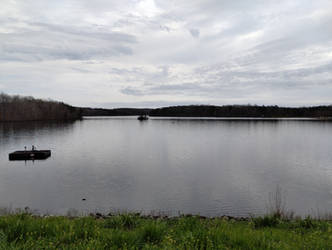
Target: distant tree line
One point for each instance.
(114, 112)
(243, 111)
(18, 108)
(217, 111)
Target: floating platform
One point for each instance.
(29, 155)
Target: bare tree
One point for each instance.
(17, 108)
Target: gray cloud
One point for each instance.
(144, 104)
(132, 91)
(55, 42)
(231, 83)
(194, 32)
(143, 52)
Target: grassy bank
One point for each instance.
(132, 231)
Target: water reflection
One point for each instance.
(16, 131)
(208, 167)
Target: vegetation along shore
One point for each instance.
(18, 108)
(134, 231)
(219, 111)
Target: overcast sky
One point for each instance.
(150, 53)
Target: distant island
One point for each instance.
(18, 108)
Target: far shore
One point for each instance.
(19, 108)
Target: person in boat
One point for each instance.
(33, 148)
(143, 117)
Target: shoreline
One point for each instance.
(133, 231)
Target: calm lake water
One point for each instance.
(200, 166)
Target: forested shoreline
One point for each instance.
(218, 111)
(18, 108)
(114, 112)
(243, 111)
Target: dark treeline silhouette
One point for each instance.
(243, 111)
(18, 108)
(217, 111)
(114, 112)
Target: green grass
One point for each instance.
(132, 231)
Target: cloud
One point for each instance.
(131, 91)
(194, 33)
(226, 84)
(144, 104)
(150, 51)
(39, 41)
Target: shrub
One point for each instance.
(266, 221)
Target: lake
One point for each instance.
(210, 167)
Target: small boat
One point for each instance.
(29, 155)
(143, 117)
